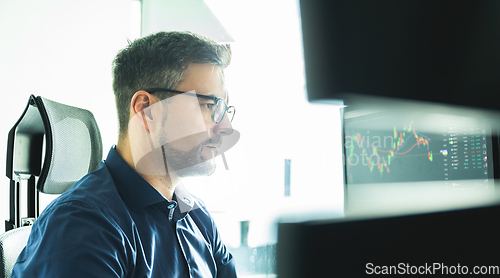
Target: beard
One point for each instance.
(190, 163)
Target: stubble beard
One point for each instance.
(190, 163)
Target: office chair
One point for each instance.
(72, 148)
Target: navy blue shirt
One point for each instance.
(112, 223)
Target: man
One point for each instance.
(132, 217)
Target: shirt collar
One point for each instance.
(186, 201)
(137, 192)
(134, 190)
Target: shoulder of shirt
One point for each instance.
(200, 213)
(199, 202)
(95, 190)
(199, 206)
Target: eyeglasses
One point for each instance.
(220, 108)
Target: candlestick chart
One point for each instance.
(383, 152)
(400, 152)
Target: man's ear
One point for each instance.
(140, 101)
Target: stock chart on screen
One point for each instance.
(386, 147)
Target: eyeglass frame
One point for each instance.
(214, 98)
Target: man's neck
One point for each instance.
(163, 182)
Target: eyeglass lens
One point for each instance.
(220, 110)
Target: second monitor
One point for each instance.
(417, 159)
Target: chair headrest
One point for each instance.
(73, 145)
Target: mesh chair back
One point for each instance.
(73, 146)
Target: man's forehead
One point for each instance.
(204, 79)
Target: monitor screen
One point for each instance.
(413, 159)
(386, 147)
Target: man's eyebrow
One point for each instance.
(211, 95)
(226, 98)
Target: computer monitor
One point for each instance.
(441, 51)
(452, 242)
(415, 158)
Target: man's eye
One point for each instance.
(208, 105)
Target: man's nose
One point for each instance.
(224, 127)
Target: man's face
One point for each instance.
(188, 135)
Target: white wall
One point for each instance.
(61, 50)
